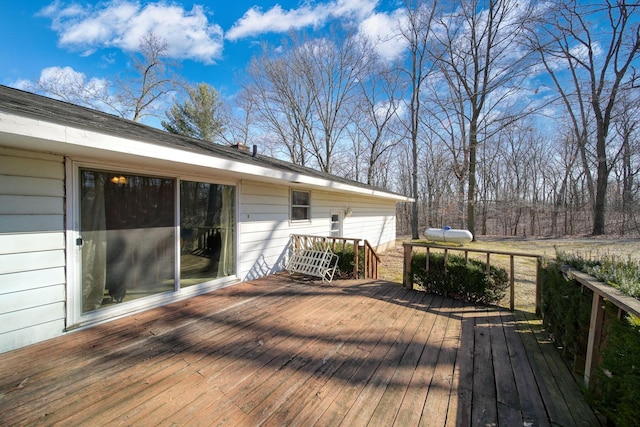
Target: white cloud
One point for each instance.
(380, 27)
(384, 30)
(357, 9)
(277, 20)
(67, 84)
(66, 80)
(122, 24)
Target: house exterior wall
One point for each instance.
(32, 248)
(265, 226)
(34, 262)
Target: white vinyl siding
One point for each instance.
(373, 219)
(265, 227)
(32, 248)
(264, 230)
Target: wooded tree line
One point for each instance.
(500, 116)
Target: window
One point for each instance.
(300, 205)
(336, 225)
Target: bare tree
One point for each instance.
(628, 167)
(304, 93)
(417, 32)
(336, 66)
(484, 62)
(377, 122)
(446, 123)
(133, 96)
(276, 95)
(74, 87)
(599, 61)
(239, 126)
(153, 81)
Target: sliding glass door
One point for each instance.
(128, 241)
(207, 230)
(128, 237)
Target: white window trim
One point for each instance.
(291, 206)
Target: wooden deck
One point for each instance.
(278, 351)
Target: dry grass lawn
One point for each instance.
(525, 268)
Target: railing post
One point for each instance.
(356, 259)
(595, 331)
(488, 263)
(366, 262)
(375, 270)
(512, 285)
(538, 286)
(407, 281)
(427, 259)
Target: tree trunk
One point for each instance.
(471, 211)
(602, 181)
(414, 179)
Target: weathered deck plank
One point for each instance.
(280, 351)
(531, 404)
(508, 400)
(563, 398)
(400, 383)
(484, 405)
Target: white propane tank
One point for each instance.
(448, 235)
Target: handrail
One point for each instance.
(371, 258)
(371, 261)
(601, 292)
(407, 280)
(624, 302)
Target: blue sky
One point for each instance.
(211, 40)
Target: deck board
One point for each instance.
(531, 404)
(285, 351)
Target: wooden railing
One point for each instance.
(371, 261)
(339, 244)
(601, 292)
(407, 279)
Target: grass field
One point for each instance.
(525, 268)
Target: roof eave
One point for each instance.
(23, 132)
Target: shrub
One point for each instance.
(566, 310)
(618, 376)
(466, 280)
(614, 271)
(346, 260)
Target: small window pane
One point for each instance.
(335, 225)
(300, 205)
(299, 213)
(300, 198)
